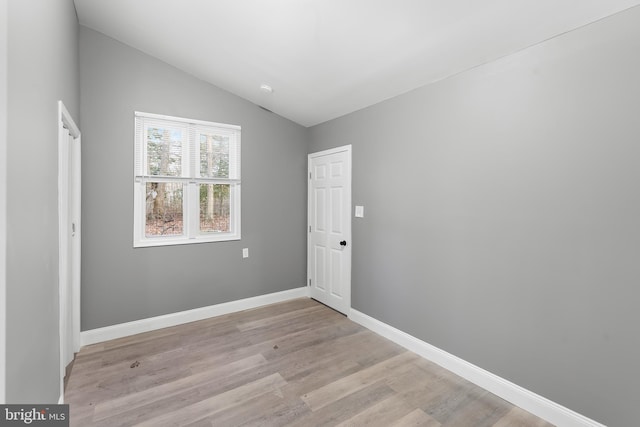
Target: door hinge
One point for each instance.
(309, 175)
(309, 282)
(309, 229)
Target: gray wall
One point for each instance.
(502, 216)
(42, 69)
(3, 192)
(120, 283)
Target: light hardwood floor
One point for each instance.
(296, 363)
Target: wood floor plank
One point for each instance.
(217, 403)
(283, 318)
(346, 348)
(148, 395)
(486, 409)
(518, 417)
(382, 413)
(344, 386)
(340, 410)
(269, 409)
(297, 363)
(416, 418)
(318, 333)
(163, 405)
(318, 375)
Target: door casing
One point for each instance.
(69, 234)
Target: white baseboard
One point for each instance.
(107, 333)
(525, 399)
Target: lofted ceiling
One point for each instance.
(327, 58)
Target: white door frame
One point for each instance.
(310, 157)
(69, 190)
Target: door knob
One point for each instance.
(343, 243)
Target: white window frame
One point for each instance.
(191, 129)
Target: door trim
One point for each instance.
(310, 157)
(66, 128)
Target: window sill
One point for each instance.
(169, 241)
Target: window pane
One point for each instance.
(164, 209)
(214, 156)
(214, 208)
(164, 151)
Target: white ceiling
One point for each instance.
(326, 58)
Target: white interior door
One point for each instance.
(69, 184)
(329, 240)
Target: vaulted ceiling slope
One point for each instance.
(327, 58)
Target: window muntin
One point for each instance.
(186, 181)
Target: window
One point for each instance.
(186, 181)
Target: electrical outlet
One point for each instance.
(245, 252)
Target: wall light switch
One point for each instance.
(359, 211)
(245, 252)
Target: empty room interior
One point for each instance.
(306, 212)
